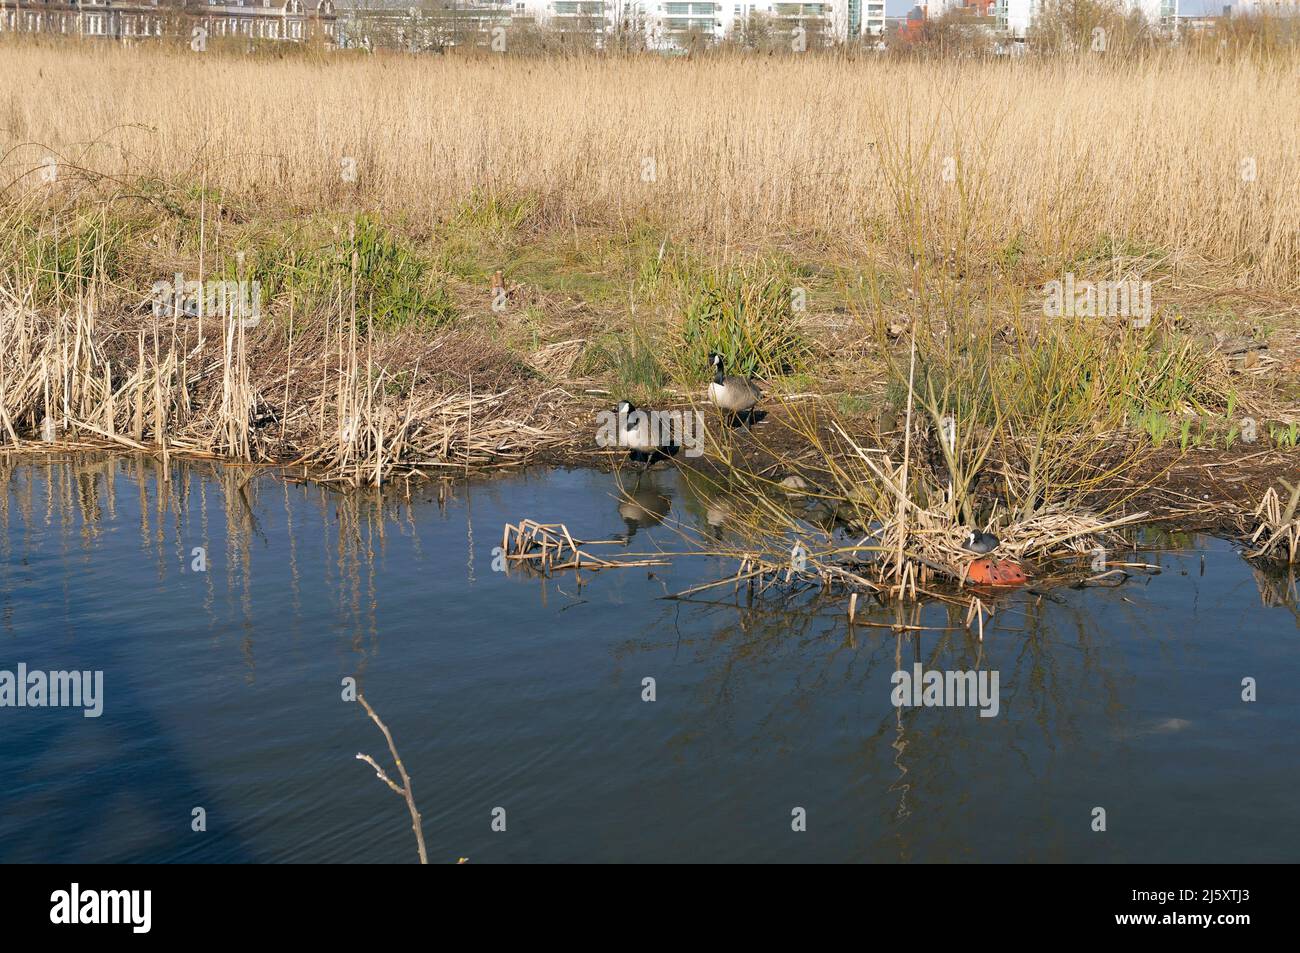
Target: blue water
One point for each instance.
(223, 690)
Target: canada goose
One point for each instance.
(977, 542)
(639, 437)
(734, 395)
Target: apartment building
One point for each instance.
(427, 27)
(1014, 17)
(128, 20)
(1273, 8)
(668, 24)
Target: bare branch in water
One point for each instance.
(405, 788)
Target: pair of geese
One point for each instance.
(731, 393)
(735, 395)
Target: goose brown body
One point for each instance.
(731, 392)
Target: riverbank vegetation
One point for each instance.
(452, 277)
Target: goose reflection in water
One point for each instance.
(642, 505)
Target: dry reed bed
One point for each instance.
(329, 400)
(861, 515)
(891, 545)
(1049, 155)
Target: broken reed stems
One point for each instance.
(1279, 523)
(906, 531)
(544, 545)
(405, 789)
(163, 392)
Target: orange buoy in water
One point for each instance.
(996, 572)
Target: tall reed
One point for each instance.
(1189, 157)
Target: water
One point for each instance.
(223, 691)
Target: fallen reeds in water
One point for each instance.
(990, 437)
(549, 547)
(1277, 526)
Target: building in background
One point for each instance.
(859, 19)
(598, 20)
(1273, 8)
(1014, 17)
(910, 26)
(290, 20)
(938, 8)
(682, 24)
(428, 27)
(1201, 22)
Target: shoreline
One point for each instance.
(1223, 515)
(937, 304)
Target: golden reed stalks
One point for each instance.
(1194, 158)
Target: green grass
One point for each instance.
(1071, 371)
(395, 284)
(747, 314)
(494, 212)
(1156, 426)
(66, 255)
(1036, 394)
(1106, 248)
(630, 362)
(851, 405)
(1285, 436)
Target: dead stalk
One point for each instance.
(405, 788)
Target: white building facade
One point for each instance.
(1014, 17)
(668, 24)
(1272, 8)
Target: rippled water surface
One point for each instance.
(222, 690)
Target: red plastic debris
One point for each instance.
(988, 571)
